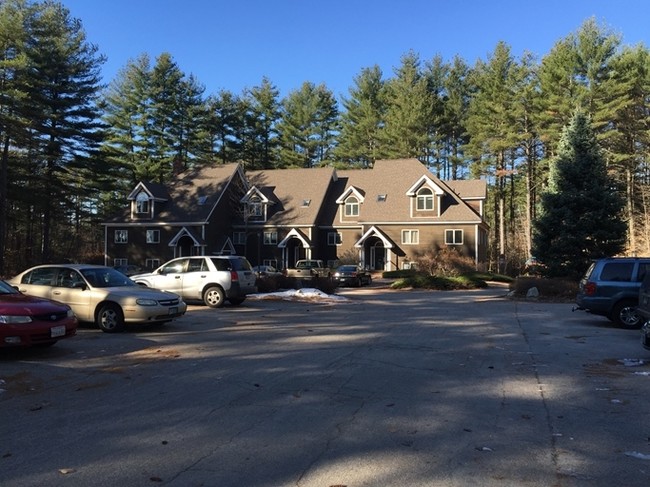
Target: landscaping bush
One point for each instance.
(561, 289)
(424, 281)
(446, 261)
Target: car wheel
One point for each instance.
(110, 318)
(236, 301)
(359, 282)
(624, 315)
(214, 297)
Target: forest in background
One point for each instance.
(74, 147)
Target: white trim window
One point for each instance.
(334, 238)
(152, 263)
(255, 208)
(142, 203)
(153, 236)
(424, 200)
(239, 238)
(351, 206)
(410, 237)
(120, 262)
(121, 236)
(271, 262)
(270, 238)
(453, 237)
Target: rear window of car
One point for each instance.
(232, 264)
(43, 276)
(617, 271)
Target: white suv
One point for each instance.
(211, 279)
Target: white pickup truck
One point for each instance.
(308, 269)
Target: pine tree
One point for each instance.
(261, 118)
(624, 121)
(580, 216)
(456, 106)
(225, 126)
(409, 107)
(307, 127)
(361, 121)
(492, 126)
(64, 85)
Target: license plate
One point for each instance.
(57, 331)
(173, 311)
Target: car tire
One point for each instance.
(236, 301)
(214, 297)
(110, 318)
(624, 315)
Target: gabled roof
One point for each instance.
(156, 191)
(192, 196)
(389, 184)
(298, 193)
(351, 190)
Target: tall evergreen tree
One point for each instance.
(494, 137)
(125, 106)
(13, 94)
(581, 211)
(225, 125)
(409, 107)
(261, 118)
(64, 86)
(624, 122)
(362, 119)
(307, 127)
(456, 105)
(436, 72)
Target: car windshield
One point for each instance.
(106, 277)
(347, 268)
(6, 288)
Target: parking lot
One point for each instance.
(375, 388)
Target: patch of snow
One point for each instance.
(305, 294)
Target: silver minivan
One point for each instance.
(210, 279)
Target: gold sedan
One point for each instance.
(100, 294)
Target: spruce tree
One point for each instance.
(580, 216)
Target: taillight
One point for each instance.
(234, 277)
(590, 288)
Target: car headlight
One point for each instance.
(70, 313)
(146, 302)
(10, 319)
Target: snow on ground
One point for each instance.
(305, 294)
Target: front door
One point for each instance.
(377, 256)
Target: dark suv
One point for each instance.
(610, 288)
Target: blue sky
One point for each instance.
(232, 44)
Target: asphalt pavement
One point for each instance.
(374, 388)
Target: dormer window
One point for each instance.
(352, 206)
(142, 203)
(424, 199)
(255, 208)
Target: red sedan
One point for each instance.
(28, 320)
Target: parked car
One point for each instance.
(263, 271)
(28, 320)
(611, 287)
(211, 279)
(129, 270)
(352, 275)
(100, 294)
(308, 269)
